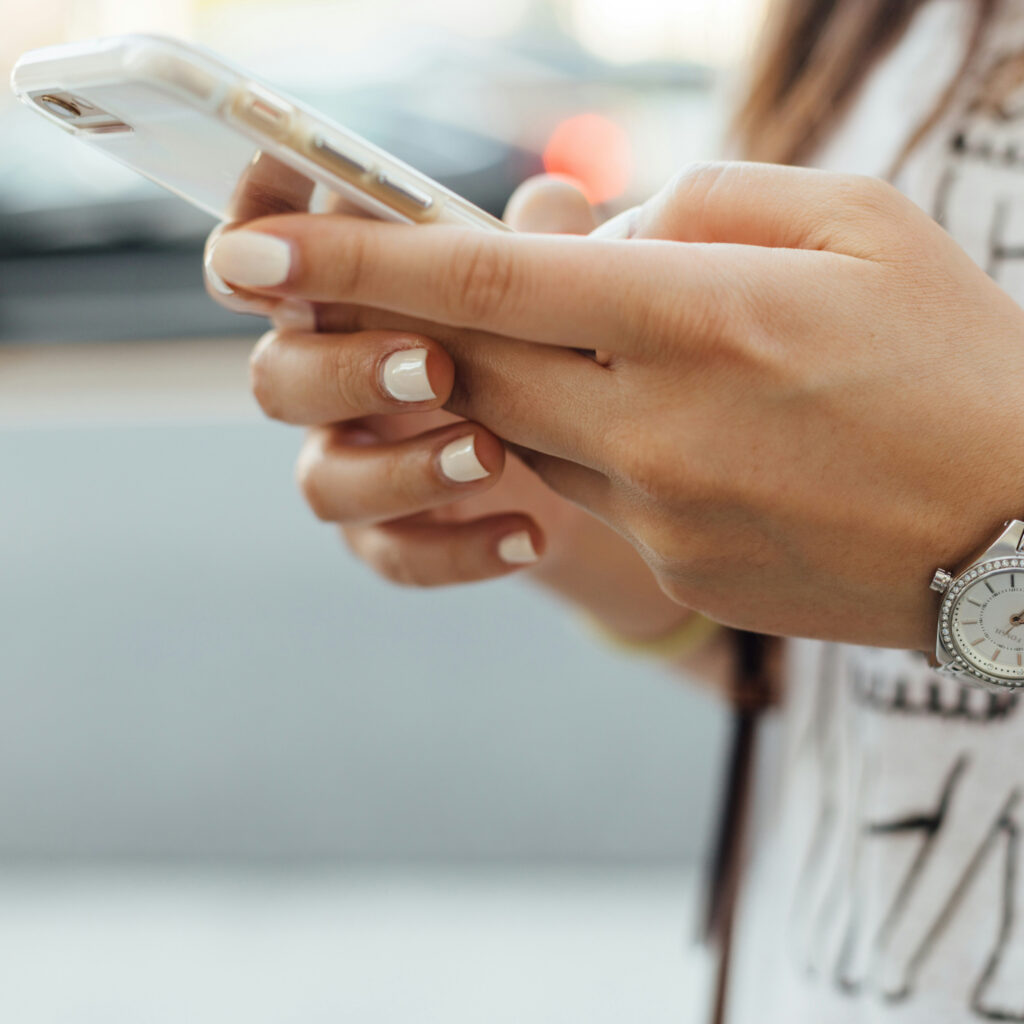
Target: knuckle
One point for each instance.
(482, 280)
(464, 563)
(686, 201)
(261, 377)
(394, 560)
(861, 199)
(695, 182)
(876, 195)
(406, 481)
(349, 390)
(388, 558)
(869, 218)
(310, 478)
(385, 558)
(658, 324)
(316, 498)
(351, 259)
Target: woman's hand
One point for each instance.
(808, 405)
(376, 463)
(423, 496)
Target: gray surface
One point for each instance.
(191, 667)
(110, 296)
(380, 947)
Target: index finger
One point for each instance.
(557, 290)
(267, 186)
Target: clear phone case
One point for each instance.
(218, 138)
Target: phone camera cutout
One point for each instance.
(59, 106)
(79, 114)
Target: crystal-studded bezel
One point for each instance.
(961, 660)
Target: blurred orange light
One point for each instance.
(595, 152)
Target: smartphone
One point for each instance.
(217, 137)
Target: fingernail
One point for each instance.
(517, 549)
(405, 376)
(219, 284)
(251, 259)
(459, 461)
(295, 315)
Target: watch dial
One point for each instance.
(986, 622)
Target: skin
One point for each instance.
(803, 406)
(371, 464)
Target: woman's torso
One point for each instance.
(888, 878)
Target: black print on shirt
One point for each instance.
(1004, 832)
(1001, 250)
(934, 696)
(873, 958)
(990, 136)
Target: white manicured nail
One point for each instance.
(517, 549)
(212, 276)
(459, 461)
(219, 284)
(295, 315)
(405, 376)
(251, 259)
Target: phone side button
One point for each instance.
(335, 159)
(407, 198)
(262, 110)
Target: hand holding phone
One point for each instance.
(424, 498)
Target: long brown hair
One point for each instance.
(812, 57)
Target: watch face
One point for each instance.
(982, 620)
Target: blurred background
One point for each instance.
(240, 778)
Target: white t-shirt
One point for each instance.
(887, 881)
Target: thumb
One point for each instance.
(768, 205)
(550, 205)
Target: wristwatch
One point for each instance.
(981, 620)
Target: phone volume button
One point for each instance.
(406, 194)
(342, 163)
